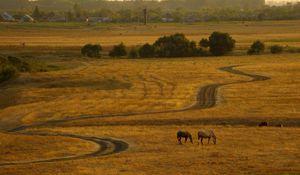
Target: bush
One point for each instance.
(293, 49)
(256, 48)
(204, 43)
(118, 51)
(7, 72)
(220, 43)
(275, 49)
(176, 45)
(133, 53)
(147, 51)
(91, 50)
(19, 64)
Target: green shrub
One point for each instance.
(220, 43)
(118, 51)
(7, 72)
(147, 51)
(256, 48)
(293, 50)
(176, 45)
(133, 53)
(91, 50)
(19, 64)
(275, 49)
(204, 43)
(3, 61)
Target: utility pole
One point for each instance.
(145, 16)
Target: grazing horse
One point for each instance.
(186, 135)
(207, 135)
(279, 125)
(262, 124)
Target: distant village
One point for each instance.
(7, 17)
(288, 11)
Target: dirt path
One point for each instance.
(107, 146)
(206, 98)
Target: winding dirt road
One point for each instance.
(206, 98)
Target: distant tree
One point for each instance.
(147, 51)
(133, 53)
(69, 16)
(275, 49)
(220, 43)
(176, 45)
(118, 51)
(256, 48)
(77, 10)
(91, 50)
(36, 13)
(204, 43)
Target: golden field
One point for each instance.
(92, 97)
(58, 34)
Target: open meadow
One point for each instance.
(120, 116)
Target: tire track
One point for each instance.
(168, 83)
(107, 146)
(206, 98)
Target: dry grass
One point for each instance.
(15, 148)
(45, 34)
(100, 87)
(154, 150)
(160, 85)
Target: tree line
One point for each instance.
(77, 12)
(177, 46)
(132, 12)
(172, 46)
(117, 5)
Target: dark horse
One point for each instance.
(185, 135)
(263, 124)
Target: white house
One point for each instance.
(7, 17)
(27, 18)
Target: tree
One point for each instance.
(36, 13)
(91, 50)
(118, 51)
(256, 48)
(69, 16)
(133, 53)
(204, 43)
(147, 51)
(176, 45)
(220, 43)
(275, 49)
(77, 10)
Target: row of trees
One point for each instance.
(176, 45)
(133, 4)
(258, 47)
(78, 12)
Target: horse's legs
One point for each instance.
(185, 139)
(202, 140)
(179, 140)
(208, 140)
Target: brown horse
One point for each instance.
(263, 124)
(184, 134)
